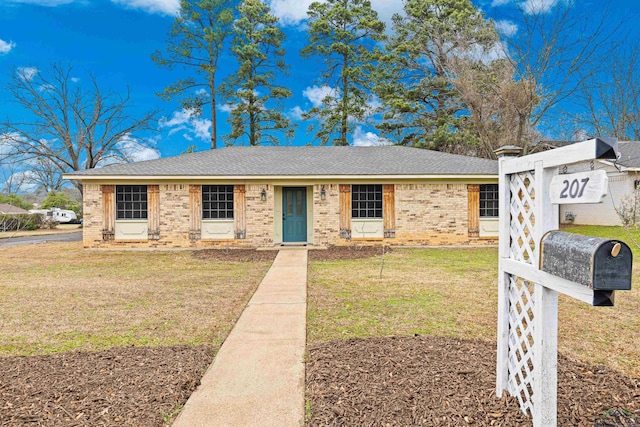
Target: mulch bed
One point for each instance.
(333, 253)
(133, 386)
(337, 253)
(235, 255)
(436, 381)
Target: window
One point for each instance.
(489, 201)
(217, 202)
(366, 201)
(131, 201)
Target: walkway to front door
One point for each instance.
(257, 377)
(294, 214)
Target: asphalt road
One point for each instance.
(65, 237)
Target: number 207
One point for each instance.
(573, 189)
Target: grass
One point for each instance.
(59, 297)
(453, 292)
(60, 228)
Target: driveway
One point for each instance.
(65, 237)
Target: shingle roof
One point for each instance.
(629, 154)
(10, 209)
(302, 161)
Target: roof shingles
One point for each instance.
(302, 161)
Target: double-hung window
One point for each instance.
(489, 201)
(217, 202)
(366, 201)
(131, 202)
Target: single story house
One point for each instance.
(6, 209)
(272, 196)
(624, 179)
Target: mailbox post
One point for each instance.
(536, 262)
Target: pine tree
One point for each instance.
(344, 34)
(257, 46)
(196, 42)
(422, 107)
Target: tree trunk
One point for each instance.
(345, 103)
(212, 88)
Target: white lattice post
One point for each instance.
(504, 198)
(527, 358)
(545, 332)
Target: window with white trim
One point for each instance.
(366, 201)
(217, 202)
(489, 201)
(131, 202)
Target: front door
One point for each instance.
(294, 214)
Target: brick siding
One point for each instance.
(426, 214)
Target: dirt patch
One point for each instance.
(134, 386)
(235, 255)
(337, 253)
(435, 381)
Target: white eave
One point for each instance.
(81, 177)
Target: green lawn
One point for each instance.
(59, 297)
(453, 292)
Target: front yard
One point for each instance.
(416, 345)
(112, 337)
(123, 337)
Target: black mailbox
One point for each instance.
(601, 264)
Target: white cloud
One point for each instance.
(27, 73)
(177, 118)
(50, 3)
(294, 12)
(75, 79)
(202, 128)
(290, 12)
(296, 113)
(386, 9)
(530, 7)
(364, 139)
(136, 150)
(317, 94)
(161, 7)
(24, 182)
(226, 108)
(506, 28)
(189, 122)
(6, 141)
(5, 47)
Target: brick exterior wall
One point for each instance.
(431, 214)
(92, 216)
(259, 216)
(426, 214)
(326, 215)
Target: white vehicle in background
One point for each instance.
(63, 216)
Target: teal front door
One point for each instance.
(294, 214)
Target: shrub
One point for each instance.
(13, 222)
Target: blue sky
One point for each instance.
(113, 39)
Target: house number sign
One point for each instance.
(581, 187)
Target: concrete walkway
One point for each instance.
(257, 377)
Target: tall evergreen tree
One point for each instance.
(257, 45)
(196, 42)
(344, 33)
(422, 107)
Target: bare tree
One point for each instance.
(13, 178)
(499, 105)
(612, 108)
(558, 52)
(67, 128)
